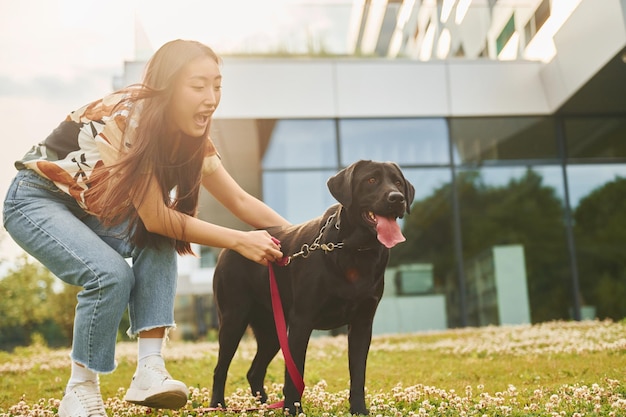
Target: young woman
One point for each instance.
(119, 179)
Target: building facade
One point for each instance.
(504, 149)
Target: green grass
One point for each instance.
(562, 367)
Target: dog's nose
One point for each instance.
(395, 197)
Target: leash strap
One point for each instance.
(281, 331)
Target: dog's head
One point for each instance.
(379, 193)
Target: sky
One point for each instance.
(57, 55)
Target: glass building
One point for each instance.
(509, 117)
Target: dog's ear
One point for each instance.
(340, 184)
(409, 190)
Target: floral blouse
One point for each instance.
(89, 139)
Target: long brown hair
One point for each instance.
(152, 153)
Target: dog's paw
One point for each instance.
(359, 411)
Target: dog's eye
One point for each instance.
(372, 180)
(398, 183)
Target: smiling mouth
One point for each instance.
(374, 219)
(201, 119)
(387, 229)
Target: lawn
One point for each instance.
(551, 369)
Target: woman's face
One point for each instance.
(197, 92)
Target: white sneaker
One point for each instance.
(152, 386)
(82, 400)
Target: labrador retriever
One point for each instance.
(334, 278)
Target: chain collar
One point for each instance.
(306, 249)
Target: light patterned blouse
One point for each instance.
(89, 139)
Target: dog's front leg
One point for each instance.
(359, 339)
(299, 335)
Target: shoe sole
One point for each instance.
(168, 400)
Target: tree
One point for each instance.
(600, 234)
(26, 292)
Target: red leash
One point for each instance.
(281, 331)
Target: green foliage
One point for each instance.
(26, 293)
(600, 231)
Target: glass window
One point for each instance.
(514, 245)
(425, 262)
(298, 195)
(506, 34)
(584, 179)
(479, 140)
(599, 210)
(404, 141)
(302, 144)
(596, 137)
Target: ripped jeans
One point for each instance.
(51, 226)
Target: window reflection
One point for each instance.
(584, 179)
(404, 141)
(600, 234)
(479, 140)
(298, 196)
(425, 261)
(514, 240)
(302, 144)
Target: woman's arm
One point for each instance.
(243, 205)
(158, 218)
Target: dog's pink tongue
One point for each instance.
(388, 230)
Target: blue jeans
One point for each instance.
(51, 226)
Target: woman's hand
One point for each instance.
(259, 246)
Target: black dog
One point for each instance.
(335, 278)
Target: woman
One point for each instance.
(118, 179)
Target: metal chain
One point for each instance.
(306, 249)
